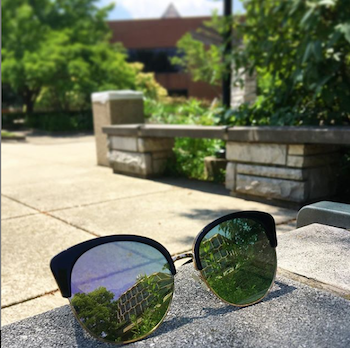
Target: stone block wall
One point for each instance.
(283, 172)
(290, 166)
(143, 157)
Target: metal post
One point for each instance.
(227, 38)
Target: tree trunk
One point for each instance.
(29, 98)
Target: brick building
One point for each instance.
(153, 42)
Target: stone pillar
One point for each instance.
(114, 107)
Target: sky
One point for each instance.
(141, 9)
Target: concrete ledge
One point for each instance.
(273, 135)
(326, 213)
(291, 135)
(166, 131)
(292, 315)
(104, 97)
(317, 252)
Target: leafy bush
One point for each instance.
(147, 83)
(300, 51)
(189, 152)
(50, 121)
(60, 122)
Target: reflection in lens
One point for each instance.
(238, 261)
(121, 291)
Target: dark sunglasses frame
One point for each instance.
(63, 263)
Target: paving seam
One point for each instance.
(111, 200)
(29, 299)
(314, 283)
(285, 222)
(53, 216)
(18, 216)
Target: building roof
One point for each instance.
(171, 12)
(153, 33)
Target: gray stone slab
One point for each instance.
(292, 315)
(122, 143)
(154, 145)
(271, 172)
(256, 153)
(27, 246)
(311, 161)
(305, 150)
(167, 131)
(230, 176)
(318, 252)
(326, 213)
(130, 162)
(173, 218)
(281, 135)
(288, 190)
(291, 135)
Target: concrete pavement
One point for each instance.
(292, 315)
(54, 196)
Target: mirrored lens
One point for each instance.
(121, 291)
(238, 261)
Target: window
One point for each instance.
(155, 59)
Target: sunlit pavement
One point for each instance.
(54, 196)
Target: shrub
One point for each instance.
(189, 152)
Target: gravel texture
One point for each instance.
(292, 315)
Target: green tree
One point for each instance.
(57, 53)
(98, 312)
(302, 48)
(202, 57)
(301, 53)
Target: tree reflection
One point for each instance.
(238, 261)
(134, 314)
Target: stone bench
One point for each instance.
(282, 164)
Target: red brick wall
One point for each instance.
(163, 33)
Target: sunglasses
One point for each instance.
(120, 287)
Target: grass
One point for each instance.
(5, 135)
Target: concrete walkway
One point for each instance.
(293, 315)
(54, 196)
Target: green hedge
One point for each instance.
(50, 121)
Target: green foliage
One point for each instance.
(238, 262)
(114, 320)
(204, 61)
(60, 122)
(56, 53)
(204, 64)
(300, 51)
(189, 152)
(5, 134)
(98, 312)
(50, 121)
(146, 83)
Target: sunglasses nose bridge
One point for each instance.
(182, 256)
